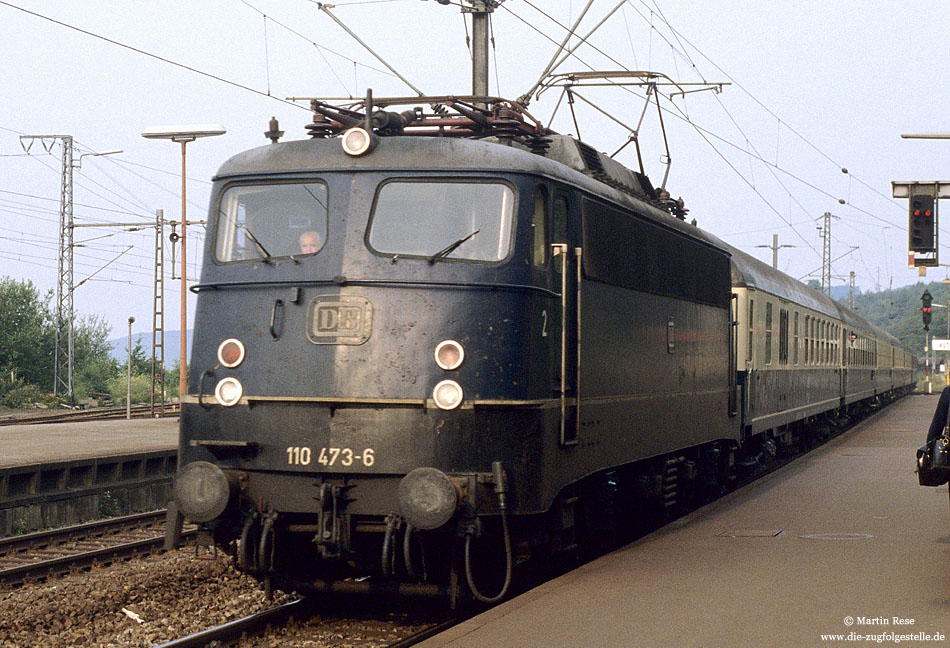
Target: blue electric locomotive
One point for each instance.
(429, 345)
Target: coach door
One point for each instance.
(567, 263)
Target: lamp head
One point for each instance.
(183, 132)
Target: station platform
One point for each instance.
(53, 474)
(841, 547)
(38, 443)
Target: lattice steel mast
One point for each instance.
(63, 347)
(158, 318)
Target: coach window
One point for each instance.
(783, 336)
(539, 248)
(751, 329)
(837, 344)
(823, 342)
(768, 333)
(795, 340)
(807, 340)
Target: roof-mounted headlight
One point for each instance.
(449, 354)
(358, 141)
(231, 353)
(447, 394)
(228, 391)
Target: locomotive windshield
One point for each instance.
(257, 222)
(459, 220)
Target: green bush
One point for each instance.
(141, 389)
(18, 394)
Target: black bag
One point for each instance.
(933, 462)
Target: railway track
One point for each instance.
(38, 556)
(98, 414)
(255, 625)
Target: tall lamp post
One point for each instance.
(128, 388)
(183, 135)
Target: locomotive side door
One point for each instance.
(567, 265)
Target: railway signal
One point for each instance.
(926, 308)
(921, 222)
(923, 230)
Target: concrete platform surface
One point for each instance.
(841, 547)
(24, 445)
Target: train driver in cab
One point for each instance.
(310, 242)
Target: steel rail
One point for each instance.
(72, 560)
(258, 623)
(138, 411)
(95, 529)
(251, 625)
(422, 635)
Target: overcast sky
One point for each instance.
(815, 86)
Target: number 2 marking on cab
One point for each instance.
(301, 456)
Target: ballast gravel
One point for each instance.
(140, 602)
(155, 599)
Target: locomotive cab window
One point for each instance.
(466, 221)
(257, 222)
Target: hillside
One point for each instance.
(144, 338)
(898, 312)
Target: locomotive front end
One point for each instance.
(370, 366)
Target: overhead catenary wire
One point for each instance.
(320, 48)
(751, 154)
(686, 119)
(148, 54)
(769, 110)
(754, 154)
(326, 9)
(525, 99)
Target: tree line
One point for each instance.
(28, 334)
(27, 350)
(898, 312)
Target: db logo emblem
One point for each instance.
(339, 319)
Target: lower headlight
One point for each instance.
(228, 391)
(447, 394)
(201, 491)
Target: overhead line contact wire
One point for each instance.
(699, 129)
(150, 55)
(81, 183)
(735, 123)
(686, 118)
(757, 155)
(120, 162)
(320, 48)
(760, 157)
(766, 108)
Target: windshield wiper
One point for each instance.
(446, 251)
(250, 235)
(264, 252)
